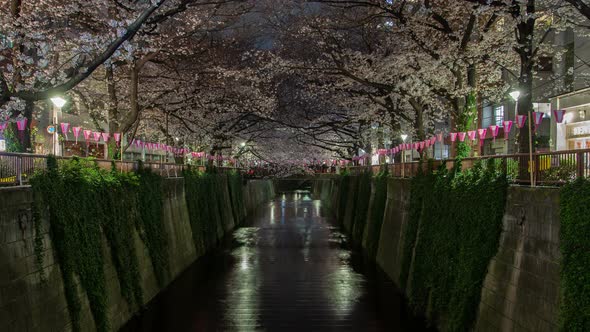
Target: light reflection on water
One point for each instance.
(292, 275)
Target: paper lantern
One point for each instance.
(453, 137)
(471, 135)
(462, 136)
(507, 128)
(558, 114)
(21, 124)
(76, 131)
(520, 120)
(538, 117)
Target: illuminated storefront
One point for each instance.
(574, 132)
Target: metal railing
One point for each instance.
(17, 168)
(549, 168)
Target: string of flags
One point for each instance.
(479, 134)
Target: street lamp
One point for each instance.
(403, 136)
(515, 95)
(58, 102)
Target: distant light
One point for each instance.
(515, 94)
(176, 138)
(58, 101)
(404, 136)
(243, 144)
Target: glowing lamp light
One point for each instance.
(58, 101)
(515, 95)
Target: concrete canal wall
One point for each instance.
(521, 287)
(29, 302)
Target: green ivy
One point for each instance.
(453, 232)
(204, 193)
(361, 208)
(83, 202)
(235, 180)
(575, 265)
(343, 191)
(377, 212)
(151, 223)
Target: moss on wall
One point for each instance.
(457, 219)
(575, 250)
(81, 202)
(376, 213)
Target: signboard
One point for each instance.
(51, 130)
(2, 145)
(576, 130)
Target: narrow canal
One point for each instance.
(289, 269)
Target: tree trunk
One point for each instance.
(524, 36)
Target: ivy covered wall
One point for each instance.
(575, 251)
(453, 232)
(120, 237)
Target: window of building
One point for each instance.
(492, 115)
(487, 116)
(498, 115)
(544, 64)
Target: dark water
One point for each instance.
(289, 270)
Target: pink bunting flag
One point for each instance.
(3, 126)
(462, 136)
(538, 117)
(87, 134)
(76, 131)
(453, 137)
(432, 140)
(471, 135)
(21, 124)
(558, 114)
(494, 130)
(507, 127)
(421, 144)
(64, 128)
(96, 136)
(117, 137)
(520, 120)
(481, 132)
(439, 137)
(105, 137)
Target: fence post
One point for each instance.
(536, 161)
(19, 170)
(579, 164)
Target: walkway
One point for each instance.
(289, 271)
